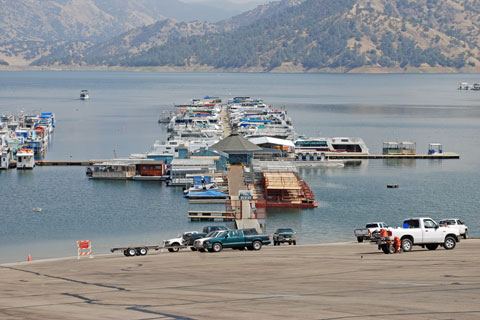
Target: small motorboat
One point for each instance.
(37, 209)
(202, 187)
(84, 95)
(207, 195)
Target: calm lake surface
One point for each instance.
(122, 116)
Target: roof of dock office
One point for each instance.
(235, 143)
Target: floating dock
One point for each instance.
(210, 215)
(446, 155)
(44, 163)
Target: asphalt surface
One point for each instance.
(331, 281)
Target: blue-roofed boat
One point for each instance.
(207, 195)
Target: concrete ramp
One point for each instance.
(249, 224)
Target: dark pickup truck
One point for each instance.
(235, 239)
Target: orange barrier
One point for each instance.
(84, 248)
(398, 243)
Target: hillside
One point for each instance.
(32, 29)
(330, 36)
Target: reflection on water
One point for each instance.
(400, 162)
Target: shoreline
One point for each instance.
(206, 69)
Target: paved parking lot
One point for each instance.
(331, 281)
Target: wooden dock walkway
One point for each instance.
(43, 163)
(235, 180)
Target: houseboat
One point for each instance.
(5, 157)
(331, 145)
(25, 159)
(127, 169)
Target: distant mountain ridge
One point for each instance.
(32, 29)
(301, 36)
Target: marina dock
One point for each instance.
(44, 163)
(446, 155)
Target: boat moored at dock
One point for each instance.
(25, 159)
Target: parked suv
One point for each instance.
(456, 224)
(284, 235)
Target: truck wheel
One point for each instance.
(257, 245)
(131, 252)
(142, 251)
(449, 243)
(465, 235)
(217, 247)
(432, 246)
(360, 239)
(295, 243)
(407, 245)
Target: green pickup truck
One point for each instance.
(235, 239)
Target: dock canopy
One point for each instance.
(271, 141)
(235, 143)
(239, 149)
(281, 181)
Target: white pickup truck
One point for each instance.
(425, 232)
(366, 233)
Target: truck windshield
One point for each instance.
(220, 234)
(285, 230)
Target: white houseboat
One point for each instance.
(25, 159)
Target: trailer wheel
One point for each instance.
(449, 243)
(125, 253)
(407, 244)
(174, 248)
(385, 248)
(257, 245)
(360, 239)
(142, 251)
(132, 252)
(295, 242)
(193, 249)
(432, 246)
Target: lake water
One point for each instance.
(122, 116)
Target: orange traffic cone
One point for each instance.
(29, 258)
